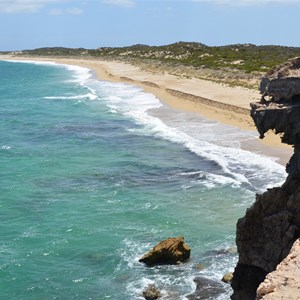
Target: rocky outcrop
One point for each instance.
(281, 88)
(283, 82)
(265, 236)
(151, 292)
(267, 232)
(170, 251)
(284, 282)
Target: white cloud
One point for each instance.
(24, 6)
(31, 6)
(249, 2)
(122, 3)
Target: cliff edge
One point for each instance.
(284, 282)
(270, 227)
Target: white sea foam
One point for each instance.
(80, 74)
(210, 140)
(4, 147)
(173, 281)
(170, 287)
(89, 96)
(35, 62)
(211, 180)
(220, 144)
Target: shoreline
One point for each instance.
(214, 101)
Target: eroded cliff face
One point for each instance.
(267, 232)
(284, 282)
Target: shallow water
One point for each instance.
(94, 174)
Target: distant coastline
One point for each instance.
(234, 65)
(229, 105)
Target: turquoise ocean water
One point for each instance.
(93, 174)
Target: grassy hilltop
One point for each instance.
(240, 64)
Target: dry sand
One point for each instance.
(228, 105)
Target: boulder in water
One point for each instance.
(151, 292)
(168, 252)
(227, 278)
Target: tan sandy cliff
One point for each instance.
(284, 282)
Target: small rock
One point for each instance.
(227, 278)
(151, 292)
(168, 252)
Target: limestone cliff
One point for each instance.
(267, 232)
(284, 282)
(283, 82)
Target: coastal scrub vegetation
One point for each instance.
(239, 64)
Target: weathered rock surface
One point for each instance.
(267, 232)
(227, 278)
(151, 292)
(282, 83)
(265, 236)
(206, 289)
(170, 251)
(284, 282)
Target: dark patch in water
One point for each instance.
(206, 289)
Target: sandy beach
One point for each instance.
(228, 105)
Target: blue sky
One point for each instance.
(28, 24)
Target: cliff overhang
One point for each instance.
(267, 232)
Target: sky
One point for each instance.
(30, 24)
